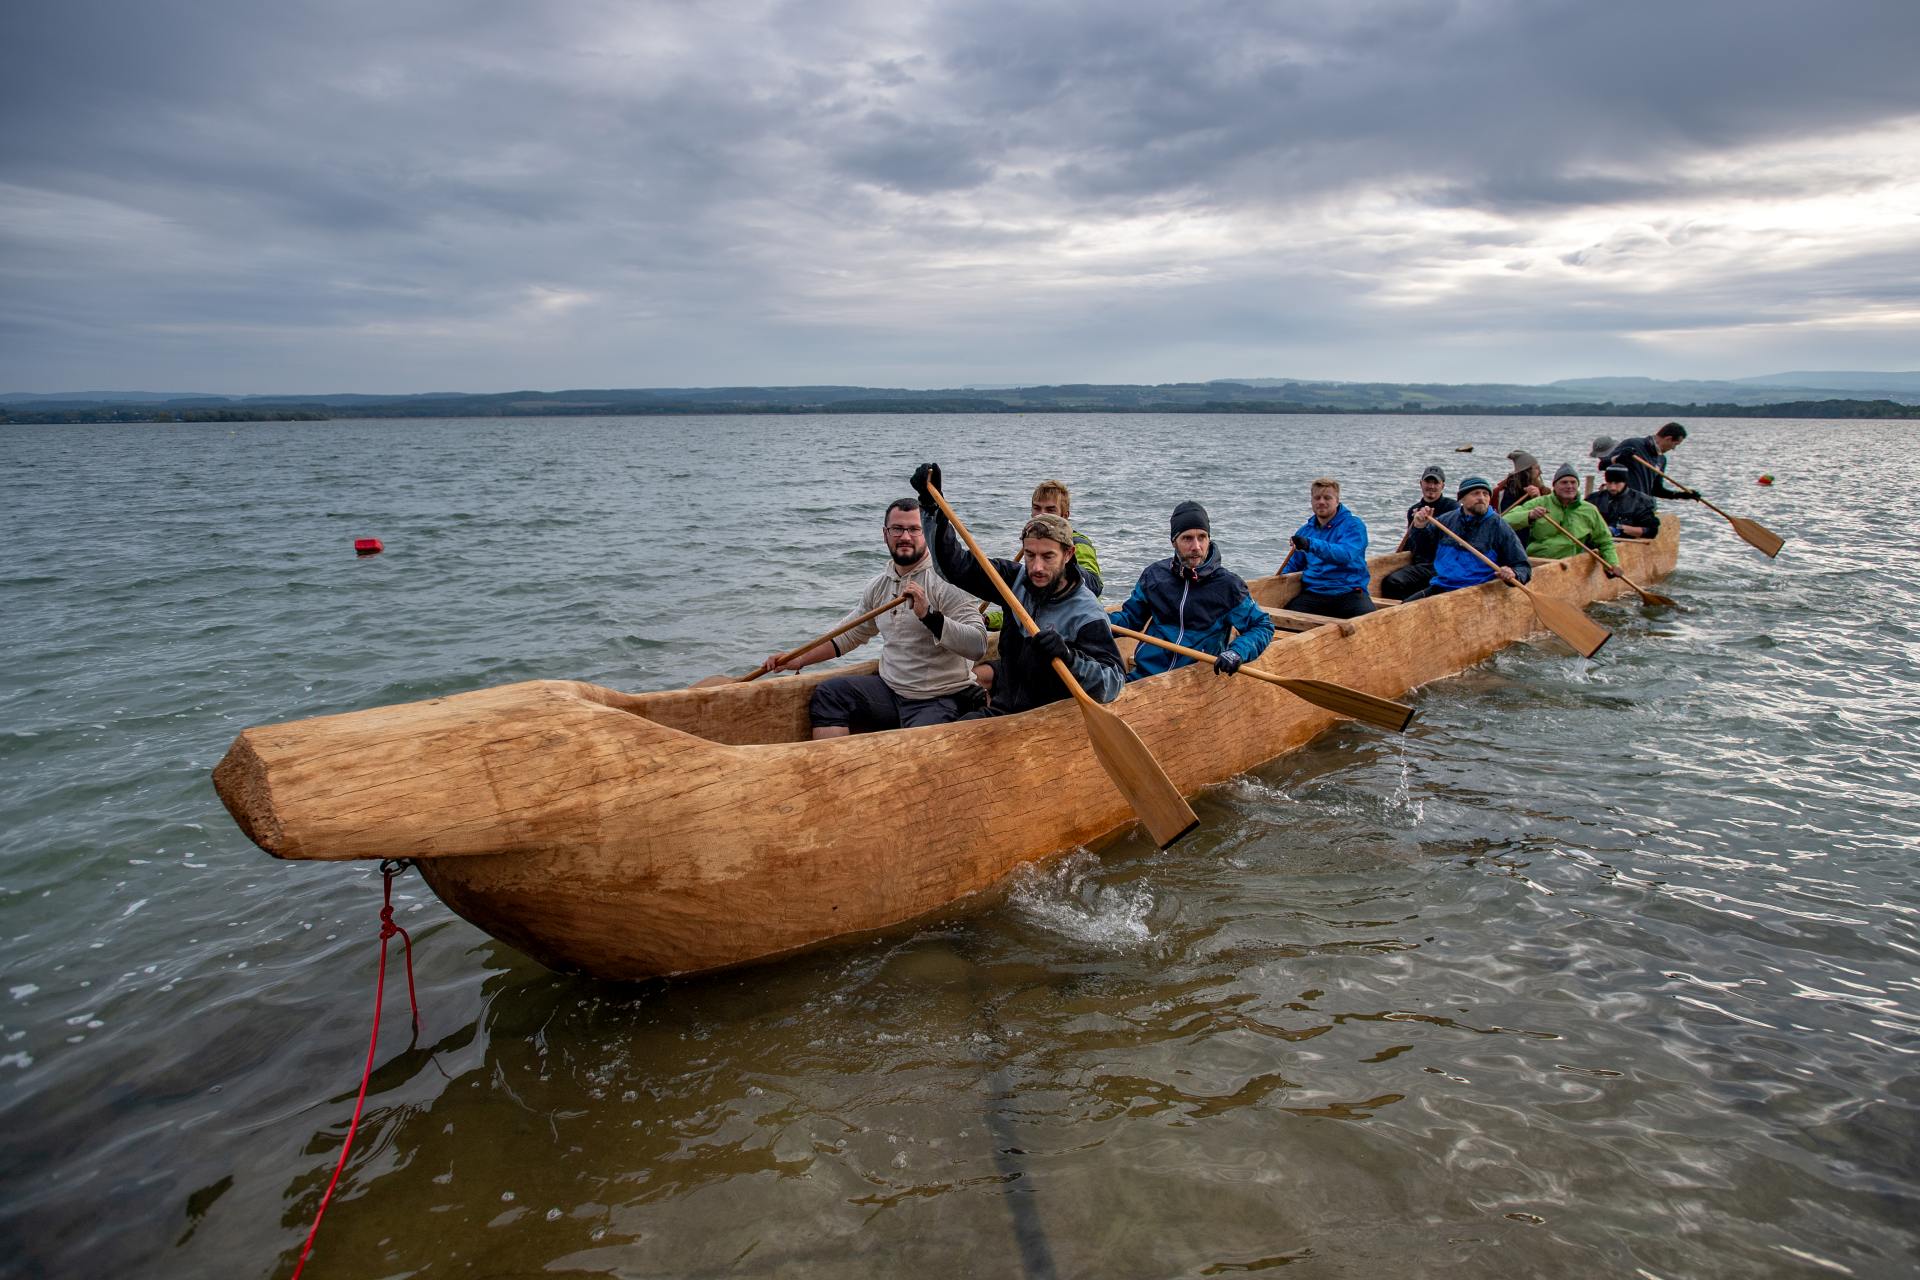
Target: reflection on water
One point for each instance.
(1606, 970)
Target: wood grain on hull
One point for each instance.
(630, 836)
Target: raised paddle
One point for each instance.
(791, 654)
(1646, 596)
(1135, 773)
(1756, 534)
(1576, 628)
(1337, 698)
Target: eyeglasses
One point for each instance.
(902, 530)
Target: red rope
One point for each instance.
(389, 869)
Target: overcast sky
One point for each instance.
(412, 195)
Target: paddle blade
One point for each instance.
(1655, 598)
(1576, 628)
(1345, 701)
(1137, 775)
(1758, 535)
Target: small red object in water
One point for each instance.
(1766, 479)
(367, 547)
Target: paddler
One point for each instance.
(1330, 551)
(1190, 598)
(1072, 625)
(1581, 522)
(1474, 520)
(931, 644)
(1628, 513)
(1050, 498)
(1418, 572)
(1521, 484)
(1653, 449)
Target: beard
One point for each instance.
(907, 556)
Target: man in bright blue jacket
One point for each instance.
(1190, 599)
(1331, 550)
(1474, 519)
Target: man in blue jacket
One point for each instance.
(1453, 566)
(1047, 582)
(1330, 550)
(1190, 599)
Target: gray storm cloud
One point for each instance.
(243, 197)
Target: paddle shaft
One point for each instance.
(1755, 534)
(834, 634)
(1602, 560)
(1336, 698)
(1582, 634)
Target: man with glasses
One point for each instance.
(931, 644)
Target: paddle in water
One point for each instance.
(1613, 571)
(791, 654)
(1135, 773)
(1337, 698)
(1756, 534)
(1576, 628)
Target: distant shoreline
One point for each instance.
(1875, 410)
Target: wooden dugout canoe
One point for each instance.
(631, 836)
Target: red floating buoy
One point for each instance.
(367, 547)
(1766, 479)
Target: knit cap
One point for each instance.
(1188, 515)
(1566, 472)
(1471, 483)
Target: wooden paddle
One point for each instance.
(1337, 698)
(1756, 534)
(1646, 596)
(1135, 773)
(791, 654)
(1576, 628)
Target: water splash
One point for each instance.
(1065, 896)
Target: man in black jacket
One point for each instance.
(1629, 514)
(1414, 576)
(1651, 449)
(1072, 625)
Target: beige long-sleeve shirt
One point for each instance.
(914, 664)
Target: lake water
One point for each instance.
(1607, 969)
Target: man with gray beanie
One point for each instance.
(1583, 525)
(1191, 599)
(1047, 582)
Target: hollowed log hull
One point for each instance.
(634, 836)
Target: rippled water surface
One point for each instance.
(1608, 969)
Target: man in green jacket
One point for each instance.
(1576, 515)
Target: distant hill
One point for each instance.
(1623, 396)
(1839, 381)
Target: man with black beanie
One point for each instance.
(1191, 599)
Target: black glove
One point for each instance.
(1227, 663)
(1299, 543)
(1048, 644)
(927, 474)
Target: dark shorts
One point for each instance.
(868, 704)
(1350, 604)
(1406, 580)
